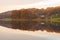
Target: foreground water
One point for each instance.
(11, 34)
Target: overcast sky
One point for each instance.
(18, 2)
(6, 5)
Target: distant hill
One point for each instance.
(6, 14)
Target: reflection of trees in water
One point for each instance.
(53, 27)
(6, 24)
(31, 25)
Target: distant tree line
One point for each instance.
(22, 19)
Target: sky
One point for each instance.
(11, 34)
(6, 5)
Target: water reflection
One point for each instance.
(31, 25)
